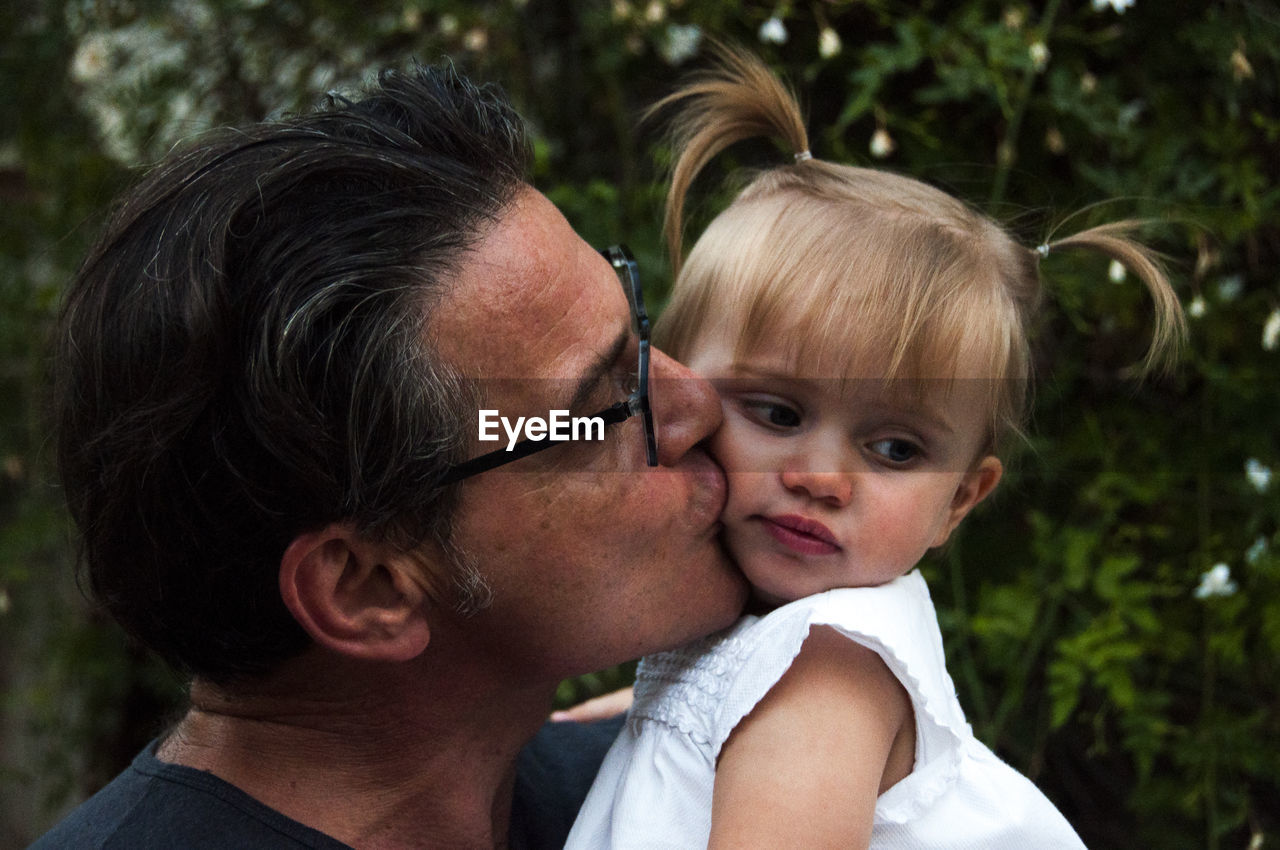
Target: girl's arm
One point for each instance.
(804, 768)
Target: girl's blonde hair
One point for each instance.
(883, 268)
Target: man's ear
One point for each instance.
(976, 485)
(354, 596)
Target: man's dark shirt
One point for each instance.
(153, 804)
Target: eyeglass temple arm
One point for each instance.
(612, 415)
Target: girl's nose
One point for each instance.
(833, 487)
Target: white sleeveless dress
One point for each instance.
(654, 787)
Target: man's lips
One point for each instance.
(711, 490)
(804, 535)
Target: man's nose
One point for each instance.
(686, 408)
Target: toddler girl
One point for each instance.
(868, 337)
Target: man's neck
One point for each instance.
(398, 762)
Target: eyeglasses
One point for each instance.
(636, 404)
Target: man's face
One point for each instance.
(592, 556)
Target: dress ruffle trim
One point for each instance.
(684, 688)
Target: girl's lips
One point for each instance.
(803, 535)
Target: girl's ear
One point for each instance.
(358, 597)
(976, 485)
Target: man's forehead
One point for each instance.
(531, 299)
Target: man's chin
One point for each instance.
(725, 605)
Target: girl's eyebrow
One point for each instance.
(930, 417)
(598, 369)
(747, 370)
(927, 413)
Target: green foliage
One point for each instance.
(1078, 642)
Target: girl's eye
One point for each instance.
(896, 450)
(774, 414)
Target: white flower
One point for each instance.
(1054, 142)
(476, 39)
(1256, 551)
(1197, 307)
(1116, 272)
(1130, 113)
(91, 59)
(1271, 331)
(881, 143)
(1241, 70)
(655, 12)
(448, 25)
(773, 31)
(1229, 287)
(1039, 52)
(1118, 5)
(1259, 475)
(828, 43)
(681, 43)
(621, 10)
(1216, 582)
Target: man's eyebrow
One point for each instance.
(599, 367)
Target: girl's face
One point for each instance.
(839, 482)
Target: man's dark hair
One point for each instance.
(244, 356)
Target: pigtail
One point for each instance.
(1113, 241)
(739, 98)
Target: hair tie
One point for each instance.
(803, 155)
(1043, 249)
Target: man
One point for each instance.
(269, 375)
